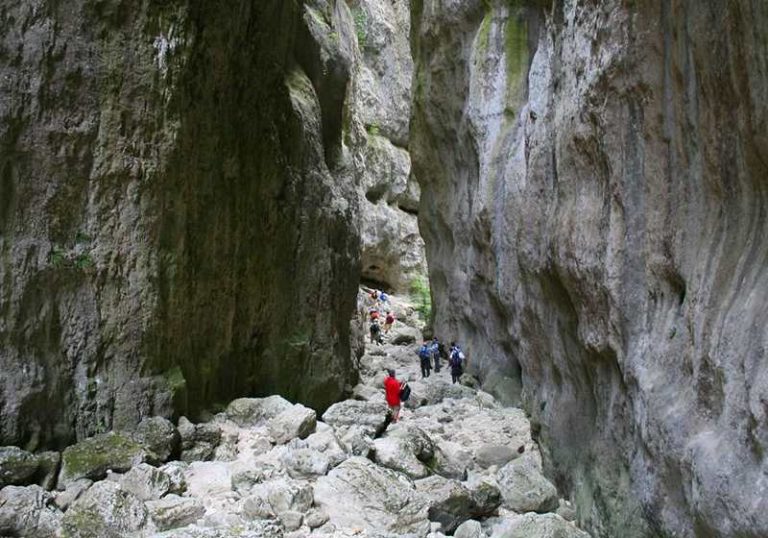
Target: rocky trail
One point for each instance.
(456, 464)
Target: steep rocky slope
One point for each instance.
(594, 207)
(178, 221)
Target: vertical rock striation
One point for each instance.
(178, 220)
(392, 248)
(594, 203)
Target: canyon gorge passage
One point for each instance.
(192, 193)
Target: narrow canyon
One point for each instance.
(197, 198)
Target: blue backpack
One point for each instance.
(424, 352)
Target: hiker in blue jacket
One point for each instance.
(457, 362)
(434, 349)
(425, 359)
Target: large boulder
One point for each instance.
(295, 422)
(28, 512)
(105, 511)
(275, 497)
(469, 529)
(64, 499)
(176, 471)
(356, 440)
(537, 526)
(370, 415)
(248, 412)
(407, 449)
(360, 495)
(396, 454)
(305, 462)
(324, 440)
(48, 469)
(495, 455)
(173, 511)
(208, 479)
(17, 466)
(159, 436)
(525, 489)
(451, 503)
(93, 457)
(451, 460)
(198, 441)
(145, 481)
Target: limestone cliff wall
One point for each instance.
(392, 249)
(178, 222)
(594, 203)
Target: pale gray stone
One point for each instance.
(146, 482)
(28, 512)
(359, 494)
(173, 511)
(105, 511)
(525, 489)
(296, 422)
(469, 529)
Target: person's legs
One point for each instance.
(395, 413)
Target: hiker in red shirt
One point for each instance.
(388, 321)
(392, 391)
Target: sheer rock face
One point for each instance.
(392, 248)
(593, 202)
(178, 222)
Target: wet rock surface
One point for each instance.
(353, 473)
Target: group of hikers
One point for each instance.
(379, 300)
(433, 352)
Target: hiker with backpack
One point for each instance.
(384, 298)
(392, 389)
(425, 359)
(375, 332)
(388, 321)
(434, 350)
(457, 362)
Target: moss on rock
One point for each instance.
(94, 456)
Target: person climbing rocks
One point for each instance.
(375, 332)
(434, 350)
(457, 360)
(374, 296)
(384, 298)
(374, 314)
(392, 389)
(425, 359)
(388, 321)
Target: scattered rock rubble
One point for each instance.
(457, 464)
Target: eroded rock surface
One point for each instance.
(593, 205)
(172, 187)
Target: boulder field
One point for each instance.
(457, 463)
